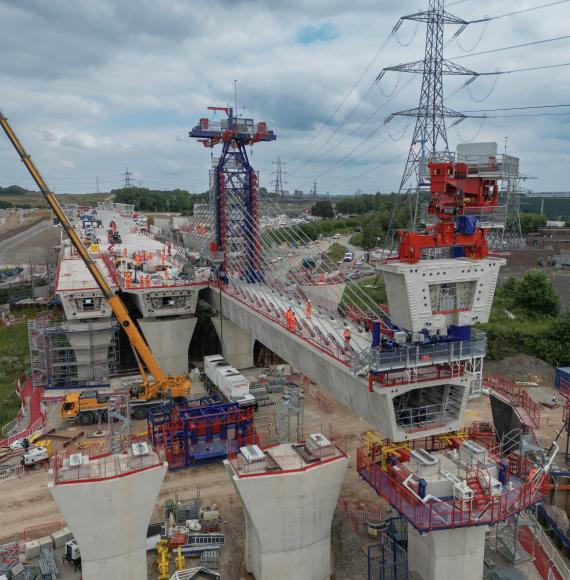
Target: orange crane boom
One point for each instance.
(177, 386)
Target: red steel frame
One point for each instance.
(516, 396)
(430, 516)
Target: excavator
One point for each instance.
(156, 384)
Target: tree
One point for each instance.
(323, 209)
(530, 222)
(535, 294)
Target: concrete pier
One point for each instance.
(169, 340)
(90, 343)
(237, 344)
(289, 512)
(456, 554)
(108, 503)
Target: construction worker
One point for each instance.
(289, 316)
(308, 309)
(293, 322)
(346, 334)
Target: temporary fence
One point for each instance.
(11, 472)
(41, 531)
(96, 466)
(36, 415)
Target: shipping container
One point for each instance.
(562, 377)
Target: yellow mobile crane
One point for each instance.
(85, 407)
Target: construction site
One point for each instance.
(224, 396)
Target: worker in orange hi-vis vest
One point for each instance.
(293, 322)
(308, 309)
(289, 316)
(346, 334)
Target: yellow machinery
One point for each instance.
(162, 385)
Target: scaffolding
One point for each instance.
(387, 560)
(67, 355)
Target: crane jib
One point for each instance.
(136, 339)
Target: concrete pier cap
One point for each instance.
(289, 506)
(108, 502)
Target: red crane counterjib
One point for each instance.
(443, 235)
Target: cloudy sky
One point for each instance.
(96, 86)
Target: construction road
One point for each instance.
(34, 242)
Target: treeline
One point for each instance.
(313, 230)
(15, 190)
(176, 200)
(362, 203)
(531, 222)
(525, 318)
(9, 204)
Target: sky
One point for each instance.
(94, 87)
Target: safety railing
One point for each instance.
(543, 540)
(422, 415)
(312, 334)
(516, 395)
(417, 355)
(433, 514)
(97, 466)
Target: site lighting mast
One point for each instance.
(235, 190)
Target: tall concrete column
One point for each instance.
(453, 554)
(237, 345)
(288, 520)
(90, 343)
(169, 340)
(109, 517)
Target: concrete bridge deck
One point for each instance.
(254, 312)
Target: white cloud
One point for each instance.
(95, 86)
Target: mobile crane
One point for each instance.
(86, 407)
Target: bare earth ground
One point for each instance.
(26, 502)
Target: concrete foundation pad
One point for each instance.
(60, 537)
(31, 550)
(447, 554)
(46, 542)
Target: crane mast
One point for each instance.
(178, 386)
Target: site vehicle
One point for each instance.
(160, 386)
(227, 381)
(87, 406)
(72, 554)
(37, 454)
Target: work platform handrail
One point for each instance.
(416, 355)
(515, 395)
(448, 514)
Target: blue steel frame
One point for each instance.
(236, 194)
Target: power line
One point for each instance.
(516, 108)
(391, 160)
(347, 96)
(534, 43)
(522, 11)
(530, 68)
